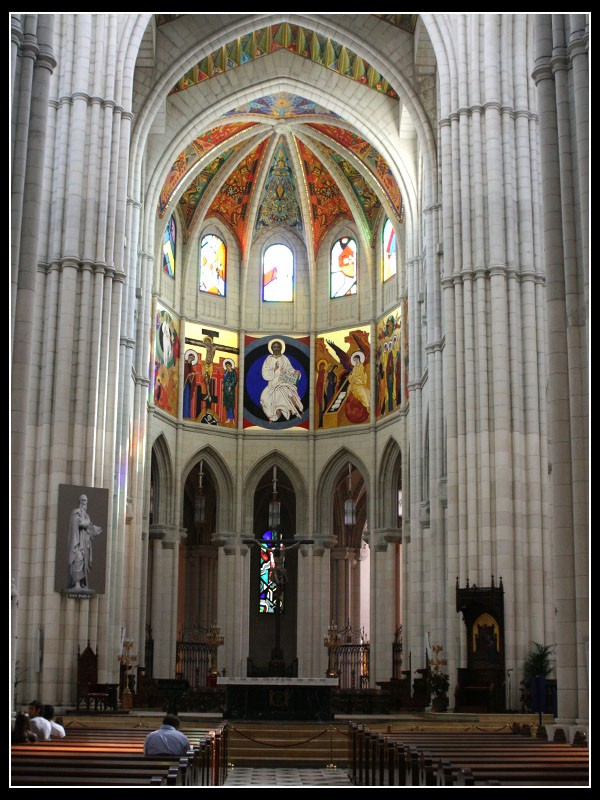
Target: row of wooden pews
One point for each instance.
(454, 758)
(115, 757)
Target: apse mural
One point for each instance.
(211, 375)
(276, 382)
(342, 383)
(166, 361)
(389, 367)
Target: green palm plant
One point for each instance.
(538, 662)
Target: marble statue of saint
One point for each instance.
(81, 533)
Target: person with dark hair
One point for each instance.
(21, 734)
(57, 730)
(40, 726)
(167, 740)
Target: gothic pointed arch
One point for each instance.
(222, 482)
(161, 482)
(344, 476)
(389, 484)
(289, 480)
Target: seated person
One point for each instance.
(57, 730)
(40, 726)
(21, 733)
(167, 740)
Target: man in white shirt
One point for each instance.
(167, 740)
(37, 724)
(57, 730)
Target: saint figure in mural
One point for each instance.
(229, 384)
(320, 390)
(192, 377)
(209, 358)
(165, 337)
(280, 396)
(81, 533)
(358, 380)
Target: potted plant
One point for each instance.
(439, 684)
(538, 693)
(538, 663)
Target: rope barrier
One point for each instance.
(273, 744)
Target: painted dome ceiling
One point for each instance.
(281, 159)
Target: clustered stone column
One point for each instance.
(561, 77)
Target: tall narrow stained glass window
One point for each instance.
(390, 251)
(169, 247)
(270, 549)
(278, 274)
(213, 265)
(342, 270)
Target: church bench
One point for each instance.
(140, 774)
(421, 765)
(102, 749)
(400, 759)
(82, 780)
(433, 767)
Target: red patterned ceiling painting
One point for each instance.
(370, 157)
(366, 197)
(193, 153)
(327, 203)
(231, 203)
(191, 199)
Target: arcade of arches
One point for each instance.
(300, 306)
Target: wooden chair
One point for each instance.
(88, 689)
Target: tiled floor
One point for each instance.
(240, 777)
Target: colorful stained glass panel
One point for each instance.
(169, 247)
(343, 268)
(213, 265)
(278, 274)
(390, 251)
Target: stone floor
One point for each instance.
(242, 777)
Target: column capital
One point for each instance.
(167, 534)
(230, 541)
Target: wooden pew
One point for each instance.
(88, 756)
(436, 758)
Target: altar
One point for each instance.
(307, 699)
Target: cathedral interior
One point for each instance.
(299, 350)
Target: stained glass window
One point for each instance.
(343, 268)
(390, 251)
(268, 597)
(278, 274)
(213, 265)
(169, 247)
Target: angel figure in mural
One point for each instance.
(345, 358)
(358, 380)
(81, 533)
(280, 398)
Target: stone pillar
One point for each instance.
(33, 64)
(567, 351)
(165, 542)
(314, 616)
(233, 608)
(383, 610)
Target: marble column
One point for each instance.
(165, 542)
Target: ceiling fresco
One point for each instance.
(281, 159)
(294, 38)
(301, 175)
